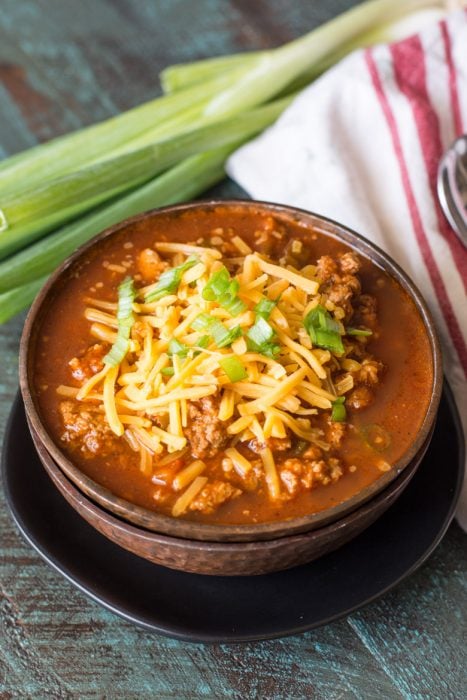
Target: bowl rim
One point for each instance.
(189, 529)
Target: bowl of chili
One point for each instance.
(231, 372)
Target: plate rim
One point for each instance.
(176, 632)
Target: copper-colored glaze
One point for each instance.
(229, 533)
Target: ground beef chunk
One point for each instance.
(205, 432)
(248, 481)
(359, 398)
(349, 263)
(86, 429)
(334, 433)
(332, 472)
(306, 473)
(89, 363)
(341, 293)
(338, 283)
(150, 265)
(326, 268)
(294, 465)
(313, 452)
(274, 444)
(366, 376)
(290, 480)
(213, 495)
(356, 348)
(370, 371)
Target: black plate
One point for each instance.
(218, 609)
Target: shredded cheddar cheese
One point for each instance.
(259, 362)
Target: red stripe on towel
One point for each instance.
(453, 91)
(427, 254)
(410, 75)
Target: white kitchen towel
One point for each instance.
(362, 145)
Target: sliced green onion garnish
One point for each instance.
(358, 331)
(217, 285)
(222, 289)
(168, 371)
(338, 414)
(126, 297)
(261, 338)
(170, 280)
(177, 348)
(201, 322)
(221, 335)
(261, 332)
(234, 369)
(264, 307)
(323, 330)
(270, 350)
(203, 342)
(233, 304)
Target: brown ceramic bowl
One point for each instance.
(227, 558)
(221, 533)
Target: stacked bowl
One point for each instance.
(221, 549)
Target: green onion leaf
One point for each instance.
(221, 335)
(270, 350)
(234, 369)
(168, 371)
(264, 307)
(233, 305)
(323, 330)
(216, 285)
(261, 338)
(201, 322)
(358, 331)
(170, 280)
(222, 289)
(338, 414)
(126, 297)
(261, 332)
(177, 348)
(203, 342)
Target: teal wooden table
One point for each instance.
(66, 64)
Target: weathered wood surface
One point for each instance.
(66, 64)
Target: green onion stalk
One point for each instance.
(125, 319)
(373, 22)
(39, 210)
(274, 70)
(71, 188)
(162, 117)
(187, 179)
(181, 183)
